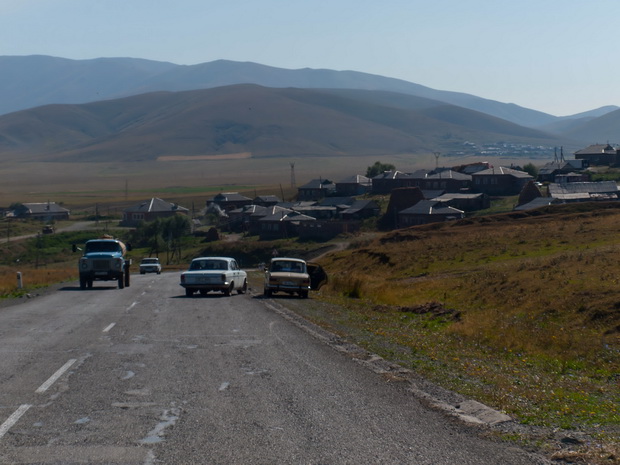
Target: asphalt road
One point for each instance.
(145, 375)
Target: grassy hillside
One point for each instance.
(259, 121)
(521, 311)
(599, 130)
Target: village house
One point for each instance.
(239, 219)
(500, 181)
(151, 210)
(354, 185)
(229, 201)
(266, 200)
(387, 181)
(443, 180)
(428, 211)
(254, 220)
(466, 202)
(572, 177)
(361, 209)
(584, 191)
(281, 225)
(551, 171)
(45, 211)
(317, 211)
(316, 189)
(598, 154)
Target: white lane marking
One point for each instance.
(46, 385)
(6, 426)
(109, 327)
(224, 386)
(132, 305)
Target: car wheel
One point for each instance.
(142, 272)
(243, 289)
(189, 292)
(228, 292)
(303, 294)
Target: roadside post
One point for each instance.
(20, 283)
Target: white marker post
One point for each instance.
(20, 283)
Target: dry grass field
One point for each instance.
(85, 184)
(519, 311)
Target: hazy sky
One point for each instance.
(556, 56)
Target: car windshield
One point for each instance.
(209, 265)
(103, 246)
(288, 266)
(150, 260)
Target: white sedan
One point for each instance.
(214, 274)
(150, 265)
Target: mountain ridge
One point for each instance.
(263, 121)
(35, 80)
(39, 80)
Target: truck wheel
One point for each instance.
(121, 282)
(189, 292)
(82, 283)
(89, 283)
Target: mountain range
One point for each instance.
(140, 109)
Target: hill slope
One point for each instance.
(599, 130)
(265, 122)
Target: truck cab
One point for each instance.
(104, 260)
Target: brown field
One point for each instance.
(84, 184)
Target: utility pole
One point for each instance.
(293, 182)
(436, 159)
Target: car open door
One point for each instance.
(318, 277)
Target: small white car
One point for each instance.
(150, 265)
(214, 274)
(293, 276)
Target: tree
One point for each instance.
(531, 169)
(378, 168)
(160, 233)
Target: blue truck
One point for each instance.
(104, 260)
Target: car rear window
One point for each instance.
(288, 266)
(209, 265)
